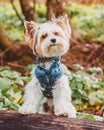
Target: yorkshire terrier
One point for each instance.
(49, 91)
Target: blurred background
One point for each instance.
(85, 16)
(86, 52)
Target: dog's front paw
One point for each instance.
(72, 111)
(27, 109)
(66, 111)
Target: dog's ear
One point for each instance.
(29, 32)
(63, 22)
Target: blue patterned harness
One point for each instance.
(48, 77)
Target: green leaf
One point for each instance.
(7, 101)
(5, 83)
(4, 68)
(27, 79)
(14, 106)
(2, 108)
(76, 94)
(86, 116)
(79, 67)
(77, 102)
(29, 67)
(15, 92)
(95, 70)
(19, 81)
(89, 116)
(10, 74)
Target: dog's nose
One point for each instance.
(53, 40)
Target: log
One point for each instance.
(15, 121)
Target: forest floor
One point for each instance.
(18, 56)
(88, 55)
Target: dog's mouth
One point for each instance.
(53, 50)
(58, 45)
(55, 47)
(52, 45)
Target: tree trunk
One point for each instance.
(15, 121)
(5, 40)
(55, 8)
(27, 10)
(89, 2)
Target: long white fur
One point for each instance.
(33, 98)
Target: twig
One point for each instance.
(98, 58)
(16, 12)
(75, 41)
(92, 54)
(15, 65)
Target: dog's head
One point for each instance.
(48, 39)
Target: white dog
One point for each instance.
(49, 90)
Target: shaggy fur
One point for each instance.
(40, 40)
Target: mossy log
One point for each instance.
(15, 121)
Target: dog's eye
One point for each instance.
(44, 36)
(56, 33)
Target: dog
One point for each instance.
(48, 92)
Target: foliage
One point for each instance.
(88, 20)
(89, 117)
(41, 10)
(11, 88)
(10, 21)
(87, 90)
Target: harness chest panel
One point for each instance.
(48, 77)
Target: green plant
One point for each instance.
(89, 117)
(88, 20)
(11, 88)
(10, 21)
(41, 10)
(87, 90)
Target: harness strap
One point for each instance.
(48, 77)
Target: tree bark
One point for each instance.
(16, 12)
(27, 10)
(89, 2)
(15, 121)
(5, 40)
(55, 8)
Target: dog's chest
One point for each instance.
(47, 74)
